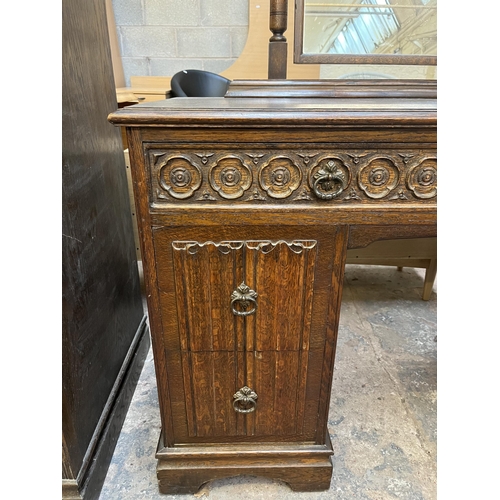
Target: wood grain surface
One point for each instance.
(246, 208)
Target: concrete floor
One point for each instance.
(382, 417)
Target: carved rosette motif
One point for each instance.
(179, 176)
(230, 177)
(280, 177)
(310, 176)
(378, 178)
(328, 177)
(422, 179)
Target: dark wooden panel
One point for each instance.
(287, 384)
(281, 392)
(102, 305)
(205, 275)
(284, 314)
(204, 314)
(212, 378)
(356, 136)
(332, 326)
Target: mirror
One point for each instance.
(366, 32)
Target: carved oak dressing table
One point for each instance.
(246, 208)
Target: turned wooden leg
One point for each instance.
(277, 43)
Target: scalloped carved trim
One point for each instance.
(264, 246)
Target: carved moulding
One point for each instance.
(256, 195)
(226, 247)
(192, 247)
(329, 176)
(352, 195)
(280, 177)
(230, 177)
(304, 195)
(178, 176)
(422, 179)
(267, 246)
(379, 177)
(204, 157)
(206, 196)
(308, 176)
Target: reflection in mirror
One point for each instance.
(366, 31)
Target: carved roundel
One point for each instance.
(280, 177)
(422, 179)
(230, 177)
(179, 177)
(378, 178)
(328, 177)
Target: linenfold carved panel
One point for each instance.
(259, 341)
(259, 175)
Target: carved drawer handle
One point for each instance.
(244, 400)
(243, 296)
(329, 181)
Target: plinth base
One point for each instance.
(304, 467)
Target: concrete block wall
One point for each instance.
(162, 37)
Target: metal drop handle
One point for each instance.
(329, 181)
(244, 400)
(244, 297)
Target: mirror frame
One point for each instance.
(299, 57)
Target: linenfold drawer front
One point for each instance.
(246, 312)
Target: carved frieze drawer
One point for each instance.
(258, 175)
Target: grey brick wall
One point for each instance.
(161, 37)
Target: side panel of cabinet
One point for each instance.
(215, 346)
